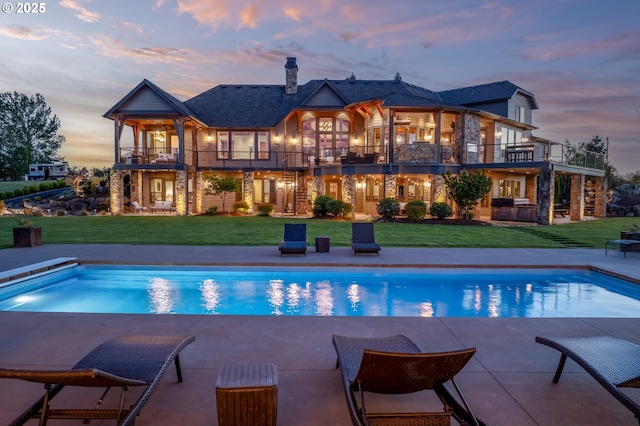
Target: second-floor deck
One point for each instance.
(414, 154)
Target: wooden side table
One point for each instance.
(247, 395)
(322, 244)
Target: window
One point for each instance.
(242, 145)
(520, 114)
(263, 145)
(223, 145)
(509, 188)
(265, 191)
(331, 135)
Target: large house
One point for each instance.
(355, 140)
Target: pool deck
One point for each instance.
(508, 382)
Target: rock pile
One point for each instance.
(56, 204)
(624, 201)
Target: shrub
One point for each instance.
(26, 190)
(240, 206)
(265, 209)
(1, 206)
(335, 207)
(9, 194)
(84, 213)
(34, 188)
(37, 213)
(61, 213)
(388, 207)
(37, 198)
(320, 207)
(211, 211)
(440, 210)
(347, 209)
(44, 186)
(2, 196)
(18, 192)
(416, 210)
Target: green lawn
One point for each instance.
(267, 231)
(13, 185)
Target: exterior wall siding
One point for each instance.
(146, 100)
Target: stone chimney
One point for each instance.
(291, 77)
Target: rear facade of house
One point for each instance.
(355, 140)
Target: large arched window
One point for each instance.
(325, 138)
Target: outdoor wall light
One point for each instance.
(277, 138)
(293, 141)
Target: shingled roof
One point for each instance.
(266, 105)
(485, 93)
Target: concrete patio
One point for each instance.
(507, 383)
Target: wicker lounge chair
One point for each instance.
(295, 239)
(120, 362)
(395, 365)
(363, 239)
(614, 363)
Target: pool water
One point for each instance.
(411, 292)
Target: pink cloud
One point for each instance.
(23, 33)
(82, 13)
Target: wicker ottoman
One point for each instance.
(247, 394)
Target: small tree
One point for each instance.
(467, 189)
(220, 186)
(416, 210)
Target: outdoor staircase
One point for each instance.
(294, 192)
(565, 242)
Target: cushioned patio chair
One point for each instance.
(137, 208)
(295, 239)
(614, 363)
(120, 362)
(363, 239)
(395, 365)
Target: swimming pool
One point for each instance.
(514, 293)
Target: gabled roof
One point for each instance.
(146, 88)
(485, 93)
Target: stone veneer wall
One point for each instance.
(437, 186)
(302, 206)
(349, 191)
(600, 197)
(248, 189)
(318, 187)
(470, 134)
(199, 189)
(576, 208)
(181, 192)
(116, 192)
(390, 186)
(419, 152)
(546, 195)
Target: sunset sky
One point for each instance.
(580, 58)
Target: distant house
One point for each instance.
(48, 171)
(356, 140)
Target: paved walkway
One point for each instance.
(507, 383)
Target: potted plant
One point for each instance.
(26, 235)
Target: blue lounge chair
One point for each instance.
(295, 239)
(363, 239)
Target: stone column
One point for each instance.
(349, 191)
(601, 197)
(181, 192)
(438, 189)
(301, 190)
(390, 186)
(199, 192)
(318, 187)
(116, 192)
(546, 194)
(248, 189)
(576, 209)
